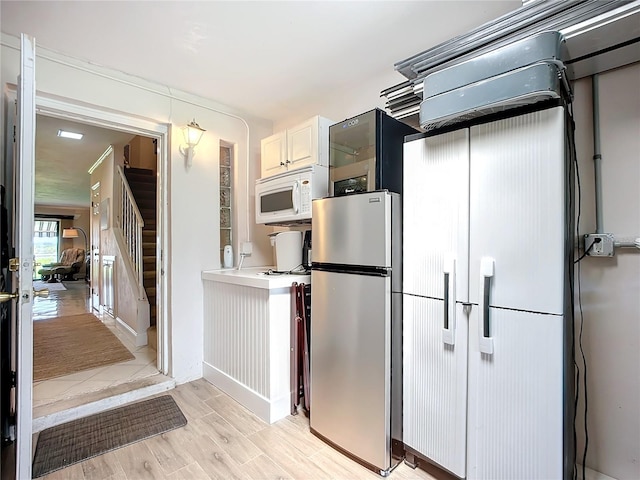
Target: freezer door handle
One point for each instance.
(449, 317)
(487, 271)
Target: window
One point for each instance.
(45, 242)
(226, 196)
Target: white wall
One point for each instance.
(611, 286)
(365, 96)
(193, 196)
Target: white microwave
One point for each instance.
(285, 199)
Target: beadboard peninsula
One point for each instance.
(247, 329)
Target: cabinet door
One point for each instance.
(435, 383)
(273, 155)
(436, 212)
(517, 211)
(302, 144)
(515, 413)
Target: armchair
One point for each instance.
(71, 261)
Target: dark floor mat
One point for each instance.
(81, 439)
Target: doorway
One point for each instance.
(86, 118)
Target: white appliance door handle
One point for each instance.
(449, 317)
(295, 194)
(487, 271)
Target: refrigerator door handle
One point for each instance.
(449, 327)
(487, 271)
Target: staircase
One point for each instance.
(143, 186)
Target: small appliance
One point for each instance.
(306, 250)
(288, 247)
(285, 199)
(365, 153)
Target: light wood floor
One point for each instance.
(223, 440)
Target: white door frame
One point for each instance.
(93, 115)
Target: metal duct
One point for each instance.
(600, 35)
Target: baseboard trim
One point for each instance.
(137, 339)
(152, 387)
(268, 410)
(591, 474)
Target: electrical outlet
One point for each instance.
(599, 244)
(246, 248)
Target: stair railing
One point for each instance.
(131, 222)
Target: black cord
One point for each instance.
(584, 360)
(572, 161)
(584, 380)
(586, 252)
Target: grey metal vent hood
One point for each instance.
(600, 35)
(591, 25)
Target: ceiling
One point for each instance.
(62, 163)
(266, 58)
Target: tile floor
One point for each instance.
(75, 300)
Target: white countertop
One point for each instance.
(255, 277)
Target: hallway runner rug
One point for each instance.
(73, 343)
(73, 442)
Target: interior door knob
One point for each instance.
(41, 293)
(6, 296)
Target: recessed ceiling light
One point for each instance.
(65, 134)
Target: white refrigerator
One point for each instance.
(487, 370)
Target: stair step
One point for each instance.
(145, 197)
(140, 171)
(148, 262)
(151, 275)
(142, 187)
(140, 177)
(149, 234)
(142, 190)
(151, 292)
(146, 205)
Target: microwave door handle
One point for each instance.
(295, 194)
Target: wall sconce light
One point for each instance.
(192, 135)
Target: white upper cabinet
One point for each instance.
(300, 146)
(273, 154)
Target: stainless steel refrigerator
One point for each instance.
(356, 328)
